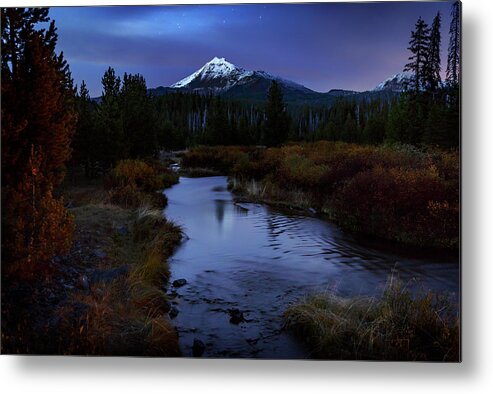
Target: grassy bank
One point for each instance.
(397, 326)
(107, 296)
(398, 193)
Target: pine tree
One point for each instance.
(86, 138)
(453, 60)
(276, 127)
(433, 64)
(350, 129)
(109, 122)
(419, 47)
(217, 130)
(38, 120)
(138, 117)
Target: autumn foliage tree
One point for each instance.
(38, 120)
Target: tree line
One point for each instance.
(428, 113)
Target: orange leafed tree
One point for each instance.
(38, 120)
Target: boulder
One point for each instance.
(179, 282)
(198, 348)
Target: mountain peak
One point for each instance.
(397, 83)
(217, 60)
(218, 76)
(215, 69)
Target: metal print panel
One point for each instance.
(272, 181)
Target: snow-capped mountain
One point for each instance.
(398, 83)
(220, 76)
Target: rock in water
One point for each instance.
(173, 312)
(236, 316)
(198, 348)
(179, 282)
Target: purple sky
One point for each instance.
(322, 46)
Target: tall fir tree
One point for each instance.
(276, 127)
(434, 67)
(453, 60)
(217, 131)
(38, 120)
(138, 117)
(109, 122)
(419, 47)
(86, 136)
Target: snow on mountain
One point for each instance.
(398, 83)
(216, 69)
(219, 75)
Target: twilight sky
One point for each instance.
(322, 46)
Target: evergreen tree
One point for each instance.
(276, 127)
(38, 120)
(217, 128)
(111, 146)
(453, 60)
(434, 67)
(138, 117)
(350, 129)
(85, 138)
(374, 131)
(419, 47)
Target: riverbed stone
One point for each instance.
(236, 316)
(198, 348)
(179, 282)
(173, 312)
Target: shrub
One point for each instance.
(218, 158)
(134, 183)
(407, 205)
(398, 326)
(34, 229)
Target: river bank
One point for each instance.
(107, 296)
(398, 193)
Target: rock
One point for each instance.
(122, 230)
(172, 295)
(165, 306)
(236, 316)
(198, 348)
(100, 254)
(313, 211)
(84, 282)
(173, 312)
(179, 282)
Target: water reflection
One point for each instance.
(220, 206)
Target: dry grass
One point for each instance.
(127, 316)
(397, 326)
(270, 193)
(107, 297)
